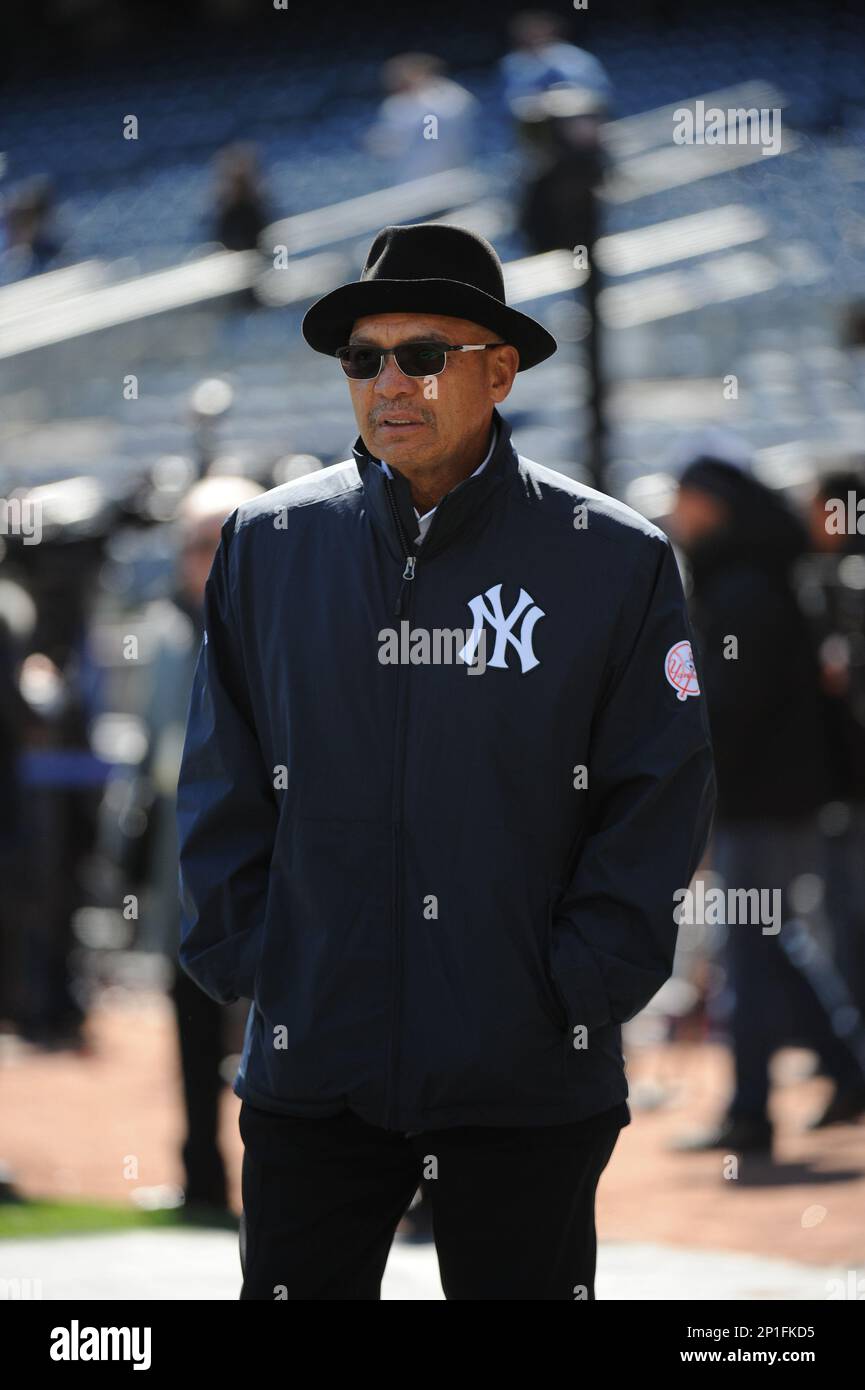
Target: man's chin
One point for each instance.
(401, 446)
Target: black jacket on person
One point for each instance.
(765, 707)
(392, 861)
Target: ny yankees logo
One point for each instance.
(504, 627)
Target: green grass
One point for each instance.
(25, 1219)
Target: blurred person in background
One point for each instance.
(31, 241)
(428, 122)
(541, 58)
(741, 541)
(201, 1024)
(61, 777)
(17, 620)
(559, 97)
(835, 599)
(240, 211)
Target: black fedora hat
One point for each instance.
(432, 268)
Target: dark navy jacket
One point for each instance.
(439, 919)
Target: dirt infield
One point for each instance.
(102, 1123)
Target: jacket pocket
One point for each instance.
(557, 1011)
(257, 978)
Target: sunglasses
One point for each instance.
(363, 362)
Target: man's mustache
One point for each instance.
(410, 413)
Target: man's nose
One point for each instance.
(392, 382)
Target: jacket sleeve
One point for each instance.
(226, 809)
(651, 789)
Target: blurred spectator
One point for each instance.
(770, 752)
(541, 58)
(559, 97)
(240, 209)
(201, 1023)
(59, 775)
(427, 124)
(17, 620)
(833, 593)
(31, 240)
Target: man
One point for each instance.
(772, 762)
(444, 885)
(833, 596)
(202, 1030)
(543, 58)
(428, 123)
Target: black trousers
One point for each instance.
(201, 1034)
(513, 1209)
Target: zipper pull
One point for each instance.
(407, 575)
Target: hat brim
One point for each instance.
(327, 325)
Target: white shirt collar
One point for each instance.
(424, 521)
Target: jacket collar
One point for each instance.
(386, 496)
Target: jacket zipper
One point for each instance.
(410, 557)
(405, 593)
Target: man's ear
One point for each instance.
(503, 368)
